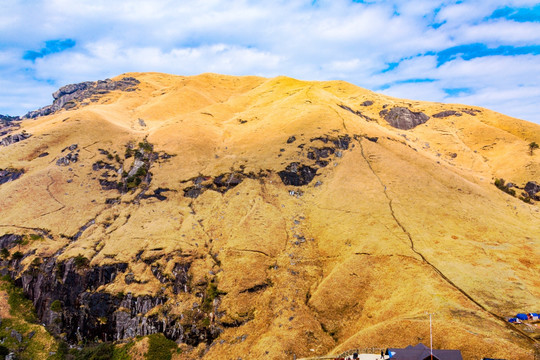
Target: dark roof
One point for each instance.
(421, 352)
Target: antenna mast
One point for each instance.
(430, 338)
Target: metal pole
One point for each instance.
(430, 338)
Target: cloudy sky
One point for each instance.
(477, 52)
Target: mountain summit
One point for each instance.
(272, 218)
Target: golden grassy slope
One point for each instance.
(408, 224)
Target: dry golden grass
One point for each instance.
(4, 307)
(398, 227)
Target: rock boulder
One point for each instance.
(403, 118)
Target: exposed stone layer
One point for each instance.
(70, 96)
(15, 138)
(403, 118)
(7, 175)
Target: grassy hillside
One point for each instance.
(306, 222)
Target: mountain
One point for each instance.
(272, 218)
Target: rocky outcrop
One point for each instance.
(8, 123)
(7, 175)
(15, 138)
(69, 303)
(403, 118)
(358, 113)
(446, 113)
(158, 194)
(64, 298)
(6, 119)
(297, 175)
(221, 183)
(532, 188)
(70, 96)
(9, 240)
(119, 174)
(472, 112)
(71, 157)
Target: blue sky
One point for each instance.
(484, 53)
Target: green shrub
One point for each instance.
(205, 322)
(122, 352)
(525, 199)
(19, 304)
(141, 172)
(146, 146)
(21, 241)
(56, 306)
(500, 184)
(533, 146)
(159, 347)
(212, 292)
(103, 351)
(17, 255)
(81, 261)
(35, 237)
(4, 253)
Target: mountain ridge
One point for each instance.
(276, 192)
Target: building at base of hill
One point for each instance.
(422, 352)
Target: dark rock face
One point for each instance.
(447, 113)
(367, 103)
(7, 175)
(66, 160)
(8, 124)
(193, 192)
(6, 119)
(224, 182)
(98, 165)
(358, 113)
(317, 153)
(472, 112)
(297, 175)
(221, 183)
(157, 194)
(341, 142)
(71, 157)
(69, 96)
(15, 138)
(403, 118)
(9, 240)
(372, 138)
(67, 301)
(532, 188)
(116, 175)
(83, 312)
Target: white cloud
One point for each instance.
(466, 11)
(187, 61)
(495, 32)
(332, 39)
